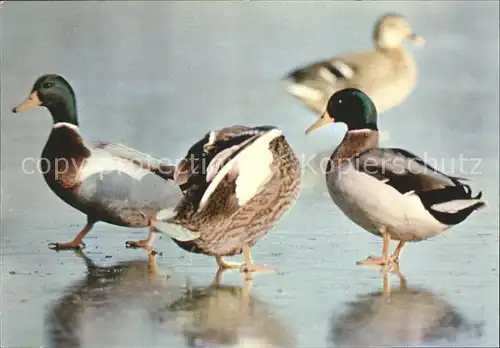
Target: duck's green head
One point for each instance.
(56, 94)
(350, 106)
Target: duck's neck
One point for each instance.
(397, 53)
(64, 112)
(355, 142)
(382, 47)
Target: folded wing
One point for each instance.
(163, 170)
(446, 197)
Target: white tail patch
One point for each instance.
(253, 167)
(164, 214)
(175, 231)
(455, 205)
(305, 92)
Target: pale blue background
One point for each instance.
(157, 76)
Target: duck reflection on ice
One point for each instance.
(110, 306)
(406, 316)
(223, 315)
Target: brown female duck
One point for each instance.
(240, 181)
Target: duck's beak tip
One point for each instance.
(417, 40)
(322, 121)
(32, 101)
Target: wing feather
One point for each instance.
(402, 170)
(251, 166)
(224, 144)
(444, 196)
(138, 158)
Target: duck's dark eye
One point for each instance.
(47, 84)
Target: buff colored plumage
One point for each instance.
(240, 181)
(388, 73)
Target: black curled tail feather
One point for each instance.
(468, 191)
(455, 218)
(447, 194)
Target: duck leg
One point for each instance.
(152, 265)
(218, 277)
(246, 293)
(144, 243)
(76, 243)
(403, 283)
(248, 265)
(226, 264)
(394, 268)
(386, 287)
(377, 260)
(394, 258)
(397, 251)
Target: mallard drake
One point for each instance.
(388, 74)
(239, 182)
(107, 182)
(389, 192)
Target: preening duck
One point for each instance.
(239, 182)
(107, 182)
(389, 192)
(387, 74)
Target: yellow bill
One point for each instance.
(32, 101)
(416, 40)
(322, 121)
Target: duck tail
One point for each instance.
(453, 204)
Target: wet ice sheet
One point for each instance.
(157, 76)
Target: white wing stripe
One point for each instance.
(211, 138)
(253, 167)
(327, 75)
(97, 164)
(303, 91)
(218, 160)
(344, 69)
